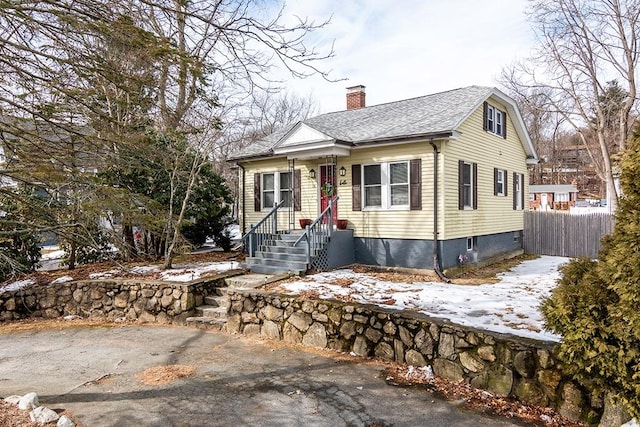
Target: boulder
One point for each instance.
(28, 401)
(64, 421)
(42, 415)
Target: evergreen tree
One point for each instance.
(595, 306)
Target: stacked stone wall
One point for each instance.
(502, 364)
(126, 299)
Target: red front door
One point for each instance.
(328, 188)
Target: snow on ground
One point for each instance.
(16, 286)
(509, 306)
(181, 273)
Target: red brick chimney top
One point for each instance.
(355, 97)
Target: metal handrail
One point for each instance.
(258, 233)
(316, 232)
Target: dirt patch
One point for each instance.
(165, 374)
(11, 416)
(487, 274)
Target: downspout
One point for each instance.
(436, 258)
(244, 199)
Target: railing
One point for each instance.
(263, 230)
(319, 232)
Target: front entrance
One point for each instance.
(328, 188)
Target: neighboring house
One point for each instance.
(556, 197)
(448, 168)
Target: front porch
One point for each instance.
(321, 246)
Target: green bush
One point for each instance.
(596, 305)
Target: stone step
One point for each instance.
(275, 269)
(217, 301)
(206, 323)
(212, 312)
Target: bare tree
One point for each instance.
(584, 44)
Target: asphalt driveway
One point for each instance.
(238, 381)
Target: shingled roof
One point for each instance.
(437, 114)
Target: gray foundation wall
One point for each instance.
(419, 253)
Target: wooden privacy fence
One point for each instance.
(561, 234)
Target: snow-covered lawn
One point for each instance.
(509, 306)
(182, 273)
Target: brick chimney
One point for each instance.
(355, 97)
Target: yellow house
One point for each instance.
(428, 182)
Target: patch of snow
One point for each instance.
(509, 306)
(16, 286)
(189, 272)
(57, 254)
(234, 230)
(104, 274)
(63, 279)
(632, 423)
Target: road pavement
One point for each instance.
(239, 381)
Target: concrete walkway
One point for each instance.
(239, 381)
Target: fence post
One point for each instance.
(307, 231)
(251, 235)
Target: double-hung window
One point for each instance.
(518, 191)
(276, 187)
(386, 185)
(467, 185)
(500, 182)
(495, 120)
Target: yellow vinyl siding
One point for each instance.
(308, 191)
(392, 223)
(495, 214)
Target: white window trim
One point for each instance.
(385, 184)
(471, 244)
(519, 184)
(496, 117)
(276, 189)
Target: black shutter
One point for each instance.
(485, 112)
(356, 191)
(506, 183)
(515, 195)
(495, 181)
(415, 184)
(297, 194)
(475, 186)
(256, 192)
(460, 185)
(504, 125)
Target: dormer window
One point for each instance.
(495, 120)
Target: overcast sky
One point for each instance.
(406, 48)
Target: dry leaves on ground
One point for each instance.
(165, 374)
(478, 399)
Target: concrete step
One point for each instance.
(213, 312)
(275, 269)
(206, 323)
(297, 250)
(282, 256)
(283, 265)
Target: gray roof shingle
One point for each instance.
(430, 114)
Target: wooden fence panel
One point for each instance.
(560, 234)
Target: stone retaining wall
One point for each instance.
(129, 299)
(503, 364)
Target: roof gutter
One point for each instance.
(407, 138)
(436, 258)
